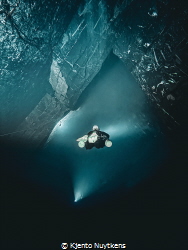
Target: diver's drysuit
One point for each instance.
(100, 142)
(95, 138)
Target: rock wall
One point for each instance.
(153, 45)
(51, 50)
(28, 32)
(86, 44)
(84, 47)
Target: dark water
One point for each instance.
(118, 106)
(132, 193)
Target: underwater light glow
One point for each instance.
(63, 123)
(119, 130)
(78, 196)
(125, 129)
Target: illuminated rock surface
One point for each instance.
(51, 51)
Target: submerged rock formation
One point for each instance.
(152, 42)
(28, 31)
(51, 51)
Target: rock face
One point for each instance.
(28, 31)
(84, 47)
(51, 50)
(153, 44)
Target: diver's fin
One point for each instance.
(83, 138)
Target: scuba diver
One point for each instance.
(94, 138)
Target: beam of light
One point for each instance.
(84, 183)
(77, 196)
(80, 191)
(116, 130)
(124, 129)
(63, 123)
